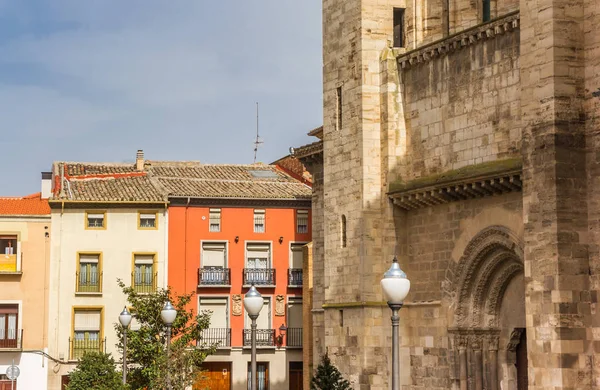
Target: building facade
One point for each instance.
(462, 137)
(110, 225)
(25, 228)
(244, 225)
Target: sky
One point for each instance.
(96, 80)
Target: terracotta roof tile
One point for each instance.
(120, 189)
(28, 205)
(83, 169)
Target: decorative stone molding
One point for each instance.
(279, 305)
(460, 40)
(236, 305)
(514, 339)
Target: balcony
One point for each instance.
(295, 277)
(219, 336)
(294, 337)
(78, 347)
(9, 264)
(264, 337)
(89, 282)
(259, 276)
(11, 339)
(143, 282)
(214, 277)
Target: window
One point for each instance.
(258, 265)
(89, 273)
(338, 108)
(343, 228)
(297, 256)
(9, 248)
(398, 27)
(87, 329)
(9, 333)
(144, 275)
(147, 220)
(262, 376)
(213, 260)
(259, 221)
(95, 220)
(302, 221)
(214, 220)
(294, 322)
(486, 11)
(218, 331)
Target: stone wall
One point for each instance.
(463, 108)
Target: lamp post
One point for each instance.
(253, 303)
(125, 320)
(282, 331)
(395, 287)
(168, 314)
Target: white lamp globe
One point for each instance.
(253, 301)
(395, 285)
(168, 314)
(125, 317)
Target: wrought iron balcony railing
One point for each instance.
(78, 347)
(143, 282)
(89, 282)
(259, 276)
(214, 276)
(264, 337)
(219, 336)
(294, 337)
(11, 338)
(295, 277)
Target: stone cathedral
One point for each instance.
(462, 136)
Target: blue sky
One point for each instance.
(95, 80)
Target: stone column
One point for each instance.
(461, 341)
(476, 341)
(493, 361)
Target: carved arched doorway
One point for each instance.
(488, 296)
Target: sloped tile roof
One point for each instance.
(159, 180)
(28, 205)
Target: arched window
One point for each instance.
(486, 11)
(343, 228)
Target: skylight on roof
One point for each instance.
(264, 174)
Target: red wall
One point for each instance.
(186, 231)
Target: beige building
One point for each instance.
(24, 270)
(463, 137)
(109, 224)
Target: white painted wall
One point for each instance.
(117, 243)
(33, 369)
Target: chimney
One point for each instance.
(139, 160)
(46, 185)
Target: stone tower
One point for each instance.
(462, 136)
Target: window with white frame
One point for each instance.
(214, 220)
(213, 264)
(302, 221)
(218, 332)
(258, 255)
(259, 221)
(297, 256)
(264, 319)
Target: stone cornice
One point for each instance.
(459, 40)
(475, 181)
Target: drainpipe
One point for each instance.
(185, 234)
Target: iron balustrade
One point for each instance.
(214, 276)
(294, 337)
(221, 337)
(144, 282)
(11, 338)
(264, 337)
(295, 277)
(259, 276)
(89, 282)
(78, 347)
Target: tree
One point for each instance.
(95, 371)
(147, 362)
(328, 377)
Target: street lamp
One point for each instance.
(253, 303)
(395, 287)
(125, 320)
(168, 314)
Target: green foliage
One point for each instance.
(146, 348)
(328, 377)
(95, 371)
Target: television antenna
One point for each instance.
(257, 141)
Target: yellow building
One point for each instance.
(24, 269)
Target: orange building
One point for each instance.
(231, 226)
